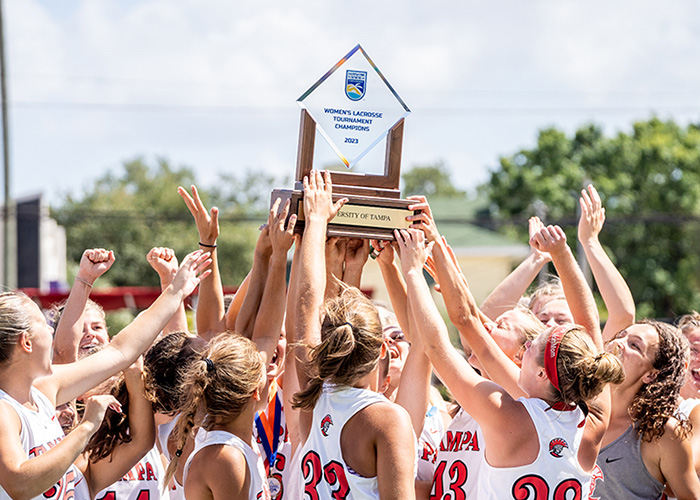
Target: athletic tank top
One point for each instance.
(460, 457)
(686, 406)
(176, 491)
(272, 437)
(622, 473)
(258, 482)
(428, 443)
(143, 482)
(40, 432)
(324, 473)
(555, 473)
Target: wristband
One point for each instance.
(208, 246)
(84, 281)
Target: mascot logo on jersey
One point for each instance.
(556, 447)
(326, 425)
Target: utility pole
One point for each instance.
(6, 160)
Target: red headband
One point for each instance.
(551, 351)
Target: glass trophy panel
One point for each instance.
(354, 106)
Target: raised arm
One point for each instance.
(507, 294)
(414, 388)
(311, 281)
(613, 287)
(245, 320)
(142, 433)
(395, 286)
(270, 317)
(93, 264)
(164, 262)
(210, 306)
(465, 315)
(578, 294)
(22, 477)
(356, 255)
(70, 381)
(488, 403)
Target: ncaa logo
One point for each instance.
(355, 84)
(326, 425)
(556, 447)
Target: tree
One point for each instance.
(139, 208)
(650, 183)
(430, 180)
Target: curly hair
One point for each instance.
(351, 343)
(657, 401)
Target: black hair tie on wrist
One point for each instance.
(208, 246)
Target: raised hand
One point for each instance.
(207, 222)
(94, 263)
(281, 237)
(413, 248)
(318, 199)
(163, 261)
(424, 220)
(356, 252)
(383, 252)
(534, 224)
(592, 214)
(550, 239)
(335, 256)
(96, 407)
(191, 272)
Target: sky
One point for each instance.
(213, 84)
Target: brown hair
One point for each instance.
(657, 401)
(582, 371)
(351, 343)
(114, 428)
(164, 366)
(14, 320)
(221, 384)
(530, 326)
(688, 321)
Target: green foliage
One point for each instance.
(430, 180)
(649, 181)
(138, 208)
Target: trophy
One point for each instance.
(354, 107)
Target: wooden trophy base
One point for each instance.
(367, 217)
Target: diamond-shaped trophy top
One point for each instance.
(354, 106)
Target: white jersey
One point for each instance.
(324, 473)
(40, 432)
(176, 491)
(428, 443)
(259, 489)
(459, 460)
(556, 472)
(143, 482)
(278, 471)
(686, 406)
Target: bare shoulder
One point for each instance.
(218, 471)
(380, 414)
(9, 420)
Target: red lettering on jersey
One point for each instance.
(150, 474)
(140, 471)
(470, 442)
(129, 476)
(36, 451)
(451, 441)
(429, 453)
